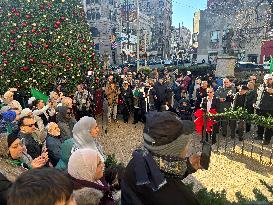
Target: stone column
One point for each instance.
(225, 66)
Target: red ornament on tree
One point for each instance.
(63, 18)
(46, 46)
(69, 59)
(58, 23)
(32, 60)
(17, 14)
(29, 44)
(11, 48)
(25, 68)
(33, 30)
(56, 26)
(43, 62)
(12, 41)
(93, 54)
(27, 16)
(84, 50)
(42, 7)
(4, 53)
(12, 32)
(24, 24)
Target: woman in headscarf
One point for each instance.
(65, 121)
(86, 171)
(85, 133)
(9, 101)
(13, 151)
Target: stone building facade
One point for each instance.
(232, 27)
(103, 17)
(181, 38)
(108, 19)
(160, 12)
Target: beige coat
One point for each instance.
(112, 95)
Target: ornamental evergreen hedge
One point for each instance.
(206, 197)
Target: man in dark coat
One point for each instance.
(239, 102)
(225, 95)
(160, 94)
(154, 174)
(127, 98)
(251, 98)
(264, 107)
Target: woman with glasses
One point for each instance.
(87, 173)
(66, 121)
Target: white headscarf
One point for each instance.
(82, 164)
(82, 137)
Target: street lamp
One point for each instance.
(138, 34)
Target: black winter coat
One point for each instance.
(160, 91)
(33, 147)
(4, 186)
(173, 193)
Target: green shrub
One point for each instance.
(206, 197)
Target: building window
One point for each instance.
(214, 36)
(93, 14)
(95, 32)
(95, 1)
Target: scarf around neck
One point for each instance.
(153, 169)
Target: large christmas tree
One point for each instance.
(42, 41)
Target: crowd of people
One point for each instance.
(56, 156)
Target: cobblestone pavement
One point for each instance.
(228, 170)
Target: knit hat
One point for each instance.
(9, 116)
(166, 134)
(165, 127)
(12, 137)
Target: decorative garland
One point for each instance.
(242, 114)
